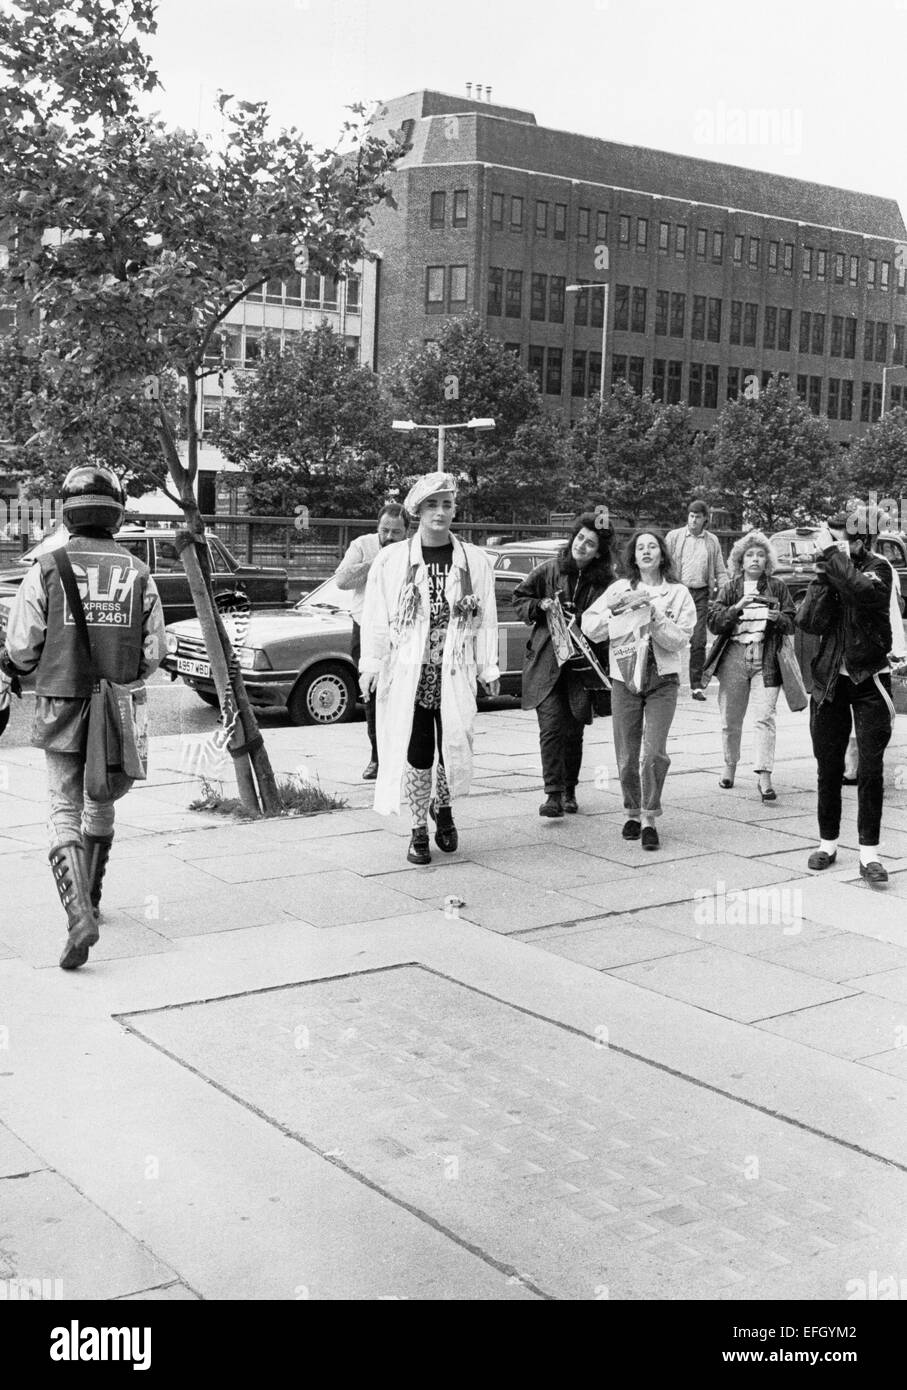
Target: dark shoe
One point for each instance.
(370, 772)
(418, 852)
(820, 860)
(70, 875)
(699, 695)
(849, 781)
(554, 806)
(446, 836)
(649, 837)
(875, 874)
(631, 829)
(770, 795)
(570, 805)
(97, 853)
(725, 783)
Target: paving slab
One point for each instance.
(260, 866)
(49, 1231)
(169, 1293)
(335, 898)
(727, 983)
(17, 1158)
(774, 923)
(552, 865)
(531, 1145)
(610, 941)
(655, 883)
(218, 910)
(894, 1063)
(498, 901)
(863, 910)
(39, 936)
(888, 984)
(857, 1027)
(844, 956)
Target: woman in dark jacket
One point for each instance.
(559, 693)
(751, 615)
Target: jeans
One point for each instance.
(641, 724)
(700, 598)
(560, 739)
(355, 652)
(736, 683)
(829, 724)
(72, 813)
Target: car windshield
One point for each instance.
(327, 596)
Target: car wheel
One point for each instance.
(324, 695)
(208, 698)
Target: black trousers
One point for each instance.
(356, 652)
(829, 725)
(425, 735)
(700, 598)
(560, 739)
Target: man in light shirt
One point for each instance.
(699, 565)
(353, 574)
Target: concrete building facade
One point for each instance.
(717, 274)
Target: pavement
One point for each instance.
(549, 1066)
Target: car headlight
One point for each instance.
(171, 642)
(252, 659)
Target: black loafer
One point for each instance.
(875, 874)
(649, 837)
(820, 860)
(418, 852)
(370, 772)
(446, 837)
(631, 830)
(570, 805)
(554, 806)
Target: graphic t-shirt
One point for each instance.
(438, 560)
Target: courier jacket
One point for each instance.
(125, 620)
(849, 607)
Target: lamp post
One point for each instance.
(885, 370)
(477, 423)
(604, 285)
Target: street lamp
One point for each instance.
(885, 370)
(476, 423)
(604, 285)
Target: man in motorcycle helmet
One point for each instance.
(125, 623)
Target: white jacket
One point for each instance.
(673, 621)
(397, 659)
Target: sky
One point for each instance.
(809, 88)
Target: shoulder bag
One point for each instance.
(117, 748)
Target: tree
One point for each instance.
(157, 237)
(636, 455)
(877, 463)
(519, 466)
(309, 427)
(774, 462)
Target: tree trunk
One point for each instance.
(224, 668)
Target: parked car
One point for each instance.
(796, 553)
(522, 557)
(265, 587)
(299, 659)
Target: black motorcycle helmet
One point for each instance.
(92, 500)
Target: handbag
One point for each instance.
(116, 753)
(791, 675)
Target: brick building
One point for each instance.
(716, 273)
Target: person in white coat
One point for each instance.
(429, 630)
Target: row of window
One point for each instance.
(445, 289)
(319, 292)
(241, 347)
(816, 263)
(703, 381)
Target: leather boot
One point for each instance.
(418, 852)
(97, 853)
(446, 837)
(70, 874)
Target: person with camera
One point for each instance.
(848, 606)
(560, 690)
(124, 618)
(750, 616)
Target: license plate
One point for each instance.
(192, 668)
